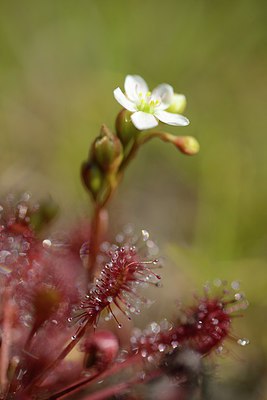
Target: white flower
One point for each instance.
(148, 107)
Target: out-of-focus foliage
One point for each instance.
(59, 63)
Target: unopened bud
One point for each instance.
(92, 177)
(107, 150)
(178, 104)
(101, 349)
(125, 129)
(187, 145)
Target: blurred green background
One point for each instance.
(59, 63)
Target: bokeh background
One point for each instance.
(59, 63)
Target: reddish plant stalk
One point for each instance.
(74, 387)
(121, 387)
(40, 378)
(6, 338)
(82, 383)
(94, 242)
(111, 183)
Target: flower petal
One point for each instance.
(142, 120)
(133, 85)
(122, 99)
(171, 119)
(164, 92)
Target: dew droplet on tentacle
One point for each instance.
(47, 243)
(243, 342)
(145, 235)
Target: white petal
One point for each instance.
(142, 120)
(171, 119)
(164, 92)
(122, 99)
(133, 85)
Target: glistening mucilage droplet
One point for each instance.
(116, 285)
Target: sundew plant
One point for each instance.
(62, 297)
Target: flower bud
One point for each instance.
(101, 349)
(107, 150)
(178, 104)
(187, 145)
(92, 177)
(125, 128)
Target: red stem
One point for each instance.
(39, 378)
(94, 243)
(73, 388)
(6, 338)
(121, 387)
(100, 375)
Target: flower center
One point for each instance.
(147, 103)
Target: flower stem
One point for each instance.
(130, 156)
(132, 360)
(142, 138)
(94, 242)
(121, 387)
(75, 340)
(6, 339)
(111, 183)
(73, 388)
